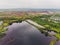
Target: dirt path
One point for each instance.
(34, 23)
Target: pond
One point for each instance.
(25, 34)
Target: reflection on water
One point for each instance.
(24, 34)
(58, 43)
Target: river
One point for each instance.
(24, 34)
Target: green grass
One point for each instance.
(8, 21)
(48, 24)
(58, 36)
(52, 42)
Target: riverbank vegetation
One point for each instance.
(52, 42)
(48, 23)
(44, 20)
(6, 21)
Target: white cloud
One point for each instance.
(29, 3)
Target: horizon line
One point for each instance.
(29, 8)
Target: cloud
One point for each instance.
(29, 3)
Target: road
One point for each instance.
(35, 24)
(24, 34)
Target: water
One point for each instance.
(58, 43)
(24, 34)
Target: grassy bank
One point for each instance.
(53, 42)
(48, 24)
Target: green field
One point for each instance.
(49, 25)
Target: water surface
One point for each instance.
(24, 34)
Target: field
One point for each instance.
(48, 23)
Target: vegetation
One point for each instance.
(53, 42)
(6, 21)
(49, 25)
(58, 36)
(43, 20)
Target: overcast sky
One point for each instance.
(29, 3)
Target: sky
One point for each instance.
(29, 4)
